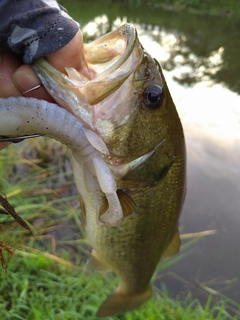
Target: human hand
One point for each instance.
(16, 78)
(72, 55)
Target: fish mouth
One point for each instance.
(113, 58)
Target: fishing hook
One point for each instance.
(33, 88)
(18, 139)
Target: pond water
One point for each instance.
(201, 64)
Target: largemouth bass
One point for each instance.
(128, 116)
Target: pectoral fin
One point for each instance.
(126, 201)
(173, 246)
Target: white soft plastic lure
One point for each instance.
(26, 116)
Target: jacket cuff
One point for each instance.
(32, 45)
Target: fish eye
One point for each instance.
(153, 97)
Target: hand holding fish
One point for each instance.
(24, 38)
(44, 29)
(16, 78)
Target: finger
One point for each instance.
(72, 55)
(9, 62)
(25, 78)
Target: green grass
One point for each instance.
(45, 278)
(35, 287)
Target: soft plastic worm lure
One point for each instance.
(26, 116)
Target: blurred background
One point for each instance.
(197, 44)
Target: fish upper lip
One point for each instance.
(95, 90)
(128, 31)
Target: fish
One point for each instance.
(128, 105)
(131, 184)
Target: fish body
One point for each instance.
(129, 107)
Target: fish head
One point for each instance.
(127, 100)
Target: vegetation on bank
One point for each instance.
(44, 279)
(216, 7)
(35, 287)
(213, 7)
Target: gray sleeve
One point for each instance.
(34, 28)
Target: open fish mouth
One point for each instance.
(113, 58)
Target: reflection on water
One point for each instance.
(96, 28)
(200, 65)
(199, 40)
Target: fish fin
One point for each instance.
(95, 264)
(83, 209)
(118, 303)
(173, 246)
(127, 203)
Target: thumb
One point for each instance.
(72, 55)
(25, 78)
